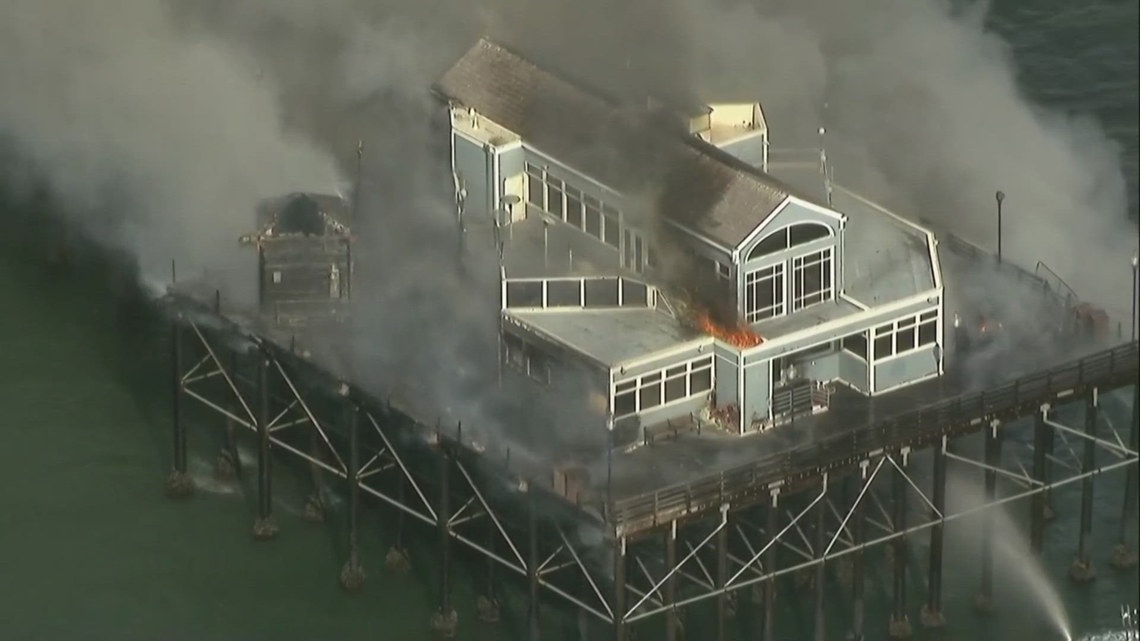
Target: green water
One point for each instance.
(91, 549)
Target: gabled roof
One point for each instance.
(696, 185)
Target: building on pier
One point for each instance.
(653, 251)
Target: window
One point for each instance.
(723, 272)
(670, 385)
(594, 223)
(276, 278)
(612, 227)
(764, 293)
(811, 279)
(554, 203)
(535, 186)
(906, 334)
(573, 207)
(856, 344)
(788, 237)
(526, 359)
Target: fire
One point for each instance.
(740, 336)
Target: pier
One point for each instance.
(634, 554)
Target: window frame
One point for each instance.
(654, 385)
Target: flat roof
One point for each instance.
(887, 259)
(609, 337)
(805, 318)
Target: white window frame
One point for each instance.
(799, 265)
(658, 378)
(753, 279)
(898, 327)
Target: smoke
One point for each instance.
(156, 143)
(177, 116)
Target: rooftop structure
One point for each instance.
(655, 248)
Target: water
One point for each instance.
(92, 550)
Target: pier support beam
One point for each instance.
(1082, 571)
(532, 563)
(621, 628)
(178, 484)
(445, 620)
(397, 560)
(1124, 554)
(984, 601)
(858, 536)
(722, 577)
(1037, 503)
(931, 615)
(487, 605)
(672, 621)
(352, 576)
(264, 527)
(899, 627)
(820, 544)
(769, 564)
(314, 511)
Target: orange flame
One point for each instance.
(740, 336)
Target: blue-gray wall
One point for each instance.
(853, 370)
(906, 368)
(757, 387)
(472, 163)
(727, 377)
(750, 150)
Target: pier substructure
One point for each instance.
(604, 557)
(1082, 570)
(1124, 554)
(984, 601)
(931, 615)
(820, 624)
(264, 526)
(178, 483)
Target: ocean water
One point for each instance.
(91, 549)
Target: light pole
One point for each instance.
(999, 196)
(1135, 291)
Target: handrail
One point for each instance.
(913, 427)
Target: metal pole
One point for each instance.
(1081, 570)
(263, 527)
(984, 600)
(1000, 197)
(932, 612)
(352, 575)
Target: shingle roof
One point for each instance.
(697, 185)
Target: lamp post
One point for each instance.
(1135, 291)
(999, 196)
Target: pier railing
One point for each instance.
(968, 412)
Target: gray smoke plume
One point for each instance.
(179, 115)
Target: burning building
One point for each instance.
(654, 251)
(304, 251)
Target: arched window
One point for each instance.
(790, 236)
